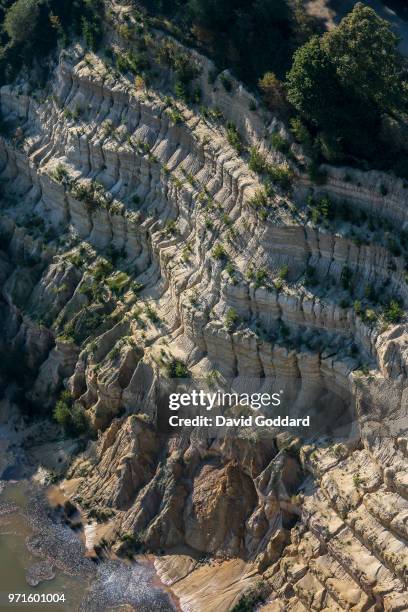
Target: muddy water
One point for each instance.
(32, 538)
(16, 559)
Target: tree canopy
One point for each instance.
(343, 82)
(365, 53)
(32, 28)
(21, 20)
(251, 36)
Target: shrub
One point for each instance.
(254, 596)
(300, 132)
(101, 269)
(357, 480)
(62, 410)
(130, 545)
(118, 281)
(80, 423)
(231, 319)
(92, 194)
(61, 174)
(177, 369)
(140, 82)
(219, 252)
(233, 137)
(175, 115)
(261, 277)
(257, 161)
(230, 270)
(279, 143)
(130, 62)
(170, 228)
(370, 315)
(260, 203)
(70, 415)
(272, 91)
(320, 210)
(357, 307)
(180, 90)
(393, 313)
(184, 68)
(280, 174)
(283, 272)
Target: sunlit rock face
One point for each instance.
(131, 238)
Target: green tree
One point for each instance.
(70, 416)
(62, 410)
(312, 86)
(365, 53)
(343, 83)
(21, 20)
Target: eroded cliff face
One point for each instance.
(130, 227)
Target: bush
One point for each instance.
(279, 143)
(233, 137)
(273, 91)
(260, 203)
(257, 161)
(32, 28)
(300, 132)
(283, 272)
(252, 598)
(231, 319)
(129, 62)
(177, 369)
(393, 313)
(261, 277)
(21, 20)
(320, 210)
(70, 415)
(92, 194)
(280, 174)
(118, 282)
(174, 115)
(130, 545)
(184, 68)
(62, 412)
(219, 252)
